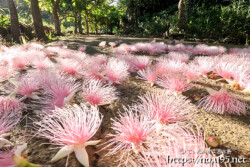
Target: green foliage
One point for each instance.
(152, 25)
(49, 35)
(24, 13)
(4, 21)
(220, 21)
(4, 18)
(213, 19)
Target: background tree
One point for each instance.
(223, 20)
(55, 5)
(182, 15)
(14, 26)
(37, 20)
(80, 6)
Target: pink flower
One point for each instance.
(94, 72)
(27, 85)
(116, 71)
(141, 62)
(58, 87)
(42, 63)
(69, 66)
(200, 49)
(71, 128)
(65, 53)
(97, 93)
(5, 72)
(148, 74)
(132, 49)
(10, 115)
(102, 44)
(3, 48)
(174, 141)
(191, 72)
(152, 47)
(189, 48)
(129, 59)
(169, 66)
(100, 59)
(180, 47)
(6, 158)
(225, 70)
(183, 57)
(34, 46)
(61, 43)
(239, 50)
(122, 49)
(247, 88)
(172, 48)
(80, 57)
(209, 50)
(205, 64)
(82, 48)
(61, 52)
(174, 83)
(222, 102)
(222, 49)
(10, 105)
(162, 47)
(112, 44)
(161, 68)
(20, 61)
(93, 67)
(212, 51)
(132, 129)
(166, 108)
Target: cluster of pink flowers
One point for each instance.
(165, 108)
(144, 133)
(174, 141)
(149, 132)
(10, 115)
(59, 88)
(208, 50)
(179, 56)
(201, 49)
(239, 50)
(145, 47)
(168, 73)
(223, 102)
(132, 129)
(97, 93)
(103, 44)
(51, 78)
(71, 128)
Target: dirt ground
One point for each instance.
(234, 131)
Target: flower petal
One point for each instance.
(20, 149)
(63, 152)
(92, 143)
(82, 156)
(3, 142)
(247, 90)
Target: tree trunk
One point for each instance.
(76, 23)
(80, 22)
(182, 15)
(111, 30)
(37, 19)
(87, 21)
(96, 26)
(96, 29)
(55, 15)
(14, 26)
